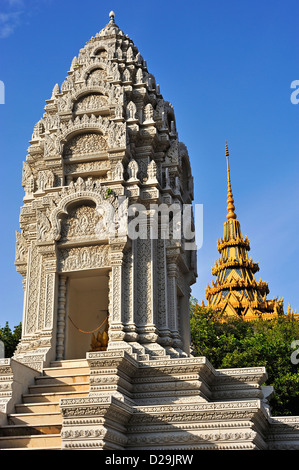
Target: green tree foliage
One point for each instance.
(238, 343)
(10, 338)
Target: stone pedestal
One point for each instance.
(171, 404)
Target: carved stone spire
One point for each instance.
(107, 141)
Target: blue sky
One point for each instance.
(227, 68)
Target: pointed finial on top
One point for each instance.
(112, 15)
(230, 200)
(226, 150)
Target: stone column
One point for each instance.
(116, 331)
(30, 315)
(128, 295)
(172, 275)
(47, 302)
(61, 314)
(162, 319)
(144, 315)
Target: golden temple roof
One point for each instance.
(236, 291)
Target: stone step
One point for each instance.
(61, 379)
(37, 421)
(59, 387)
(69, 363)
(50, 397)
(50, 407)
(25, 430)
(42, 441)
(61, 371)
(67, 367)
(33, 419)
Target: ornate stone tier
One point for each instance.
(170, 404)
(136, 402)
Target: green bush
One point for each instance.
(238, 343)
(10, 338)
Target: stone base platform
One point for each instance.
(167, 403)
(134, 401)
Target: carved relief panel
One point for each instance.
(80, 223)
(89, 103)
(81, 258)
(96, 77)
(85, 144)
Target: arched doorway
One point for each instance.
(87, 305)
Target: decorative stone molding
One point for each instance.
(81, 258)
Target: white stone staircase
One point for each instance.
(37, 421)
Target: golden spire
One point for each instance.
(230, 200)
(236, 291)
